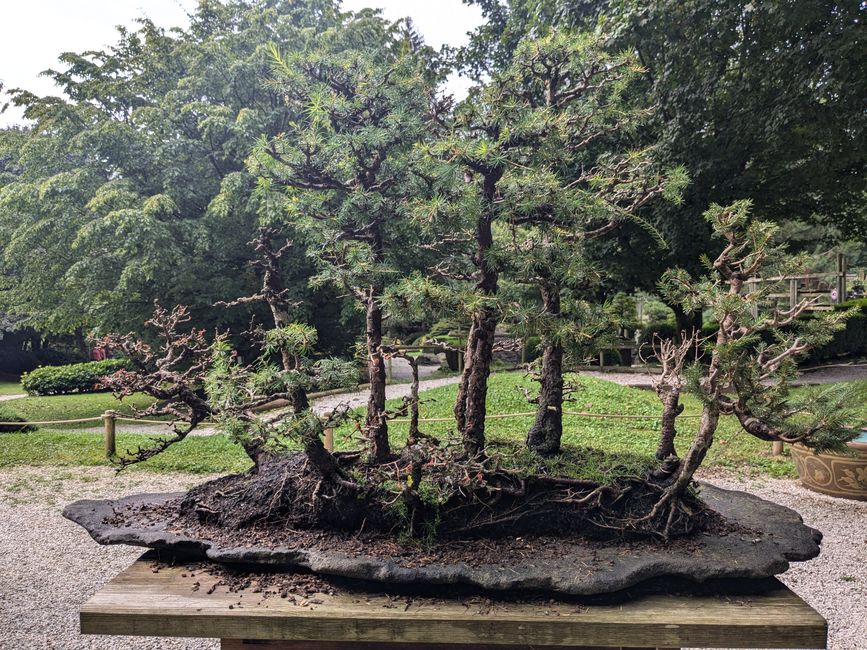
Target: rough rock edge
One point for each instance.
(781, 538)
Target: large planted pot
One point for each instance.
(835, 474)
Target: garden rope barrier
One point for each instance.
(492, 416)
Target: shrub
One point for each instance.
(8, 415)
(661, 329)
(849, 342)
(74, 378)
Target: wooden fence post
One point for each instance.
(108, 421)
(329, 432)
(777, 448)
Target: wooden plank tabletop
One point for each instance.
(167, 602)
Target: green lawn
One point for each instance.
(197, 454)
(732, 448)
(72, 407)
(10, 388)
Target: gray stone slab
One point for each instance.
(776, 537)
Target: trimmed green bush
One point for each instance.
(7, 414)
(848, 343)
(74, 378)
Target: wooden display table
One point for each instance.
(169, 602)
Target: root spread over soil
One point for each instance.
(287, 504)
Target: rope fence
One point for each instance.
(111, 418)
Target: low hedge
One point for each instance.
(73, 378)
(848, 343)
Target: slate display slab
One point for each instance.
(772, 537)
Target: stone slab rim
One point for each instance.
(780, 537)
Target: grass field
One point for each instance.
(10, 388)
(732, 448)
(197, 455)
(72, 407)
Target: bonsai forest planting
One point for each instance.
(414, 208)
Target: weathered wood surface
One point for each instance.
(239, 644)
(140, 601)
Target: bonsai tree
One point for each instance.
(345, 162)
(752, 356)
(544, 154)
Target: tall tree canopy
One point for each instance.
(133, 187)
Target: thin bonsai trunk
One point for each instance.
(547, 430)
(412, 438)
(472, 393)
(375, 422)
(697, 450)
(709, 415)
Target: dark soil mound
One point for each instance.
(286, 493)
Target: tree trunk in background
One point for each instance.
(375, 424)
(547, 430)
(686, 322)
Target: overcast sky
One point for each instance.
(34, 32)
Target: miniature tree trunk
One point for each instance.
(671, 408)
(375, 422)
(472, 393)
(547, 430)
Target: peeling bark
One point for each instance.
(547, 430)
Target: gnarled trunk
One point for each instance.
(473, 390)
(376, 427)
(671, 408)
(547, 430)
(472, 393)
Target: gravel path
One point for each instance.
(51, 566)
(392, 391)
(6, 398)
(835, 583)
(806, 377)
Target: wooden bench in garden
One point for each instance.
(168, 602)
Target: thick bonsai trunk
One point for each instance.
(547, 430)
(671, 408)
(472, 393)
(376, 427)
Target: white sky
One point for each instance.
(33, 33)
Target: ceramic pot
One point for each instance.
(834, 474)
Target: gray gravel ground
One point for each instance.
(835, 583)
(50, 566)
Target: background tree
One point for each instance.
(132, 185)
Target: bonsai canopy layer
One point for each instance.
(760, 540)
